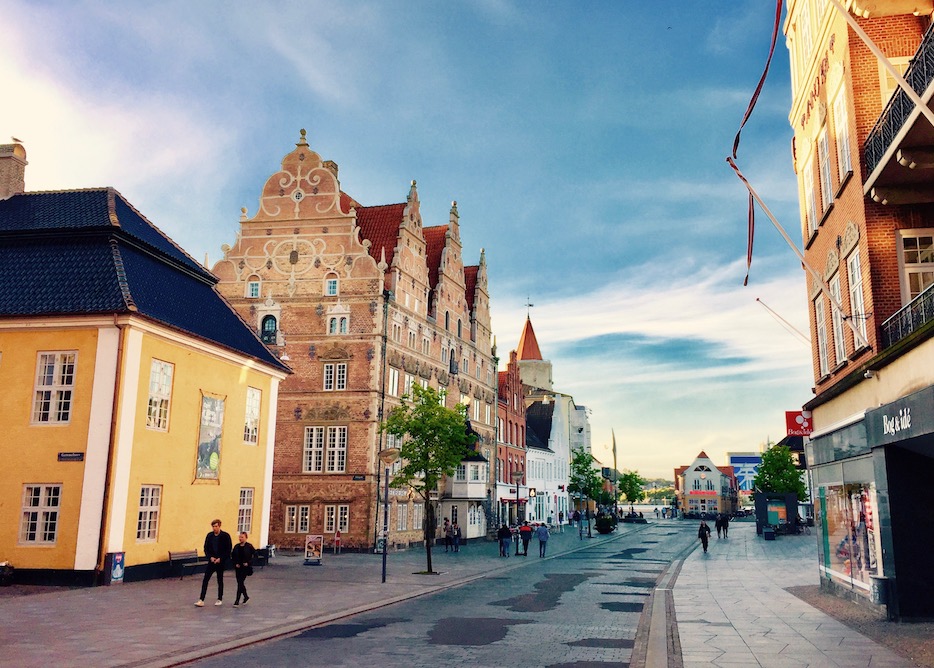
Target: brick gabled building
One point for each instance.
(510, 447)
(864, 155)
(362, 302)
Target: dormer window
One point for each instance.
(268, 330)
(338, 319)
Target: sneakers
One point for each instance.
(236, 604)
(245, 600)
(199, 604)
(218, 602)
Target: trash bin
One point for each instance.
(878, 589)
(768, 533)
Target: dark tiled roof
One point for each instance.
(538, 418)
(380, 224)
(470, 279)
(62, 254)
(96, 208)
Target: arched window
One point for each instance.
(331, 285)
(459, 329)
(447, 320)
(268, 330)
(343, 325)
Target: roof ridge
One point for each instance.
(122, 280)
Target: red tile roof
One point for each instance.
(528, 345)
(434, 241)
(702, 455)
(470, 280)
(380, 224)
(348, 202)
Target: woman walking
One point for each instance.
(242, 557)
(703, 532)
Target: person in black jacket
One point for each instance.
(703, 532)
(217, 548)
(242, 556)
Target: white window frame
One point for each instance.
(336, 458)
(336, 518)
(854, 275)
(39, 516)
(331, 286)
(161, 375)
(460, 473)
(887, 83)
(908, 269)
(820, 321)
(402, 517)
(254, 400)
(393, 388)
(418, 515)
(53, 396)
(409, 381)
(253, 289)
(324, 449)
(335, 376)
(836, 320)
(245, 510)
(823, 165)
(841, 125)
(147, 519)
(297, 519)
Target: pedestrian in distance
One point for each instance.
(525, 534)
(718, 523)
(242, 557)
(505, 537)
(217, 548)
(657, 515)
(456, 537)
(725, 524)
(703, 532)
(448, 536)
(542, 534)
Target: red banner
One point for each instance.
(799, 423)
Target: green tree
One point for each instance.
(434, 442)
(630, 484)
(585, 479)
(778, 473)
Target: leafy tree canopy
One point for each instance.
(630, 484)
(434, 439)
(585, 479)
(778, 473)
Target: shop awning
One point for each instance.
(507, 499)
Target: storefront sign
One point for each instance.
(903, 419)
(702, 492)
(798, 423)
(71, 456)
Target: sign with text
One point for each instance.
(314, 545)
(799, 423)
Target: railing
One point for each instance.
(910, 318)
(918, 75)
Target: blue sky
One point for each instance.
(584, 143)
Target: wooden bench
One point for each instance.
(185, 559)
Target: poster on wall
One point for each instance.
(209, 438)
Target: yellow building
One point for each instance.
(136, 405)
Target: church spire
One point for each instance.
(528, 344)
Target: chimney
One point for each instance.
(330, 165)
(12, 169)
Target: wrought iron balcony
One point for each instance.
(918, 75)
(910, 318)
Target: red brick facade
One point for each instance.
(360, 298)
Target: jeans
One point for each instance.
(209, 569)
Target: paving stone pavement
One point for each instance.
(732, 608)
(729, 607)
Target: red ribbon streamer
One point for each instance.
(752, 104)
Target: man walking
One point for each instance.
(217, 548)
(542, 534)
(525, 533)
(505, 537)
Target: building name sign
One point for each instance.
(897, 423)
(909, 417)
(702, 492)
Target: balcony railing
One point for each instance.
(909, 319)
(918, 75)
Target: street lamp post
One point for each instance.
(517, 476)
(387, 456)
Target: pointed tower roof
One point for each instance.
(528, 344)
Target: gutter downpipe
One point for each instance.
(105, 497)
